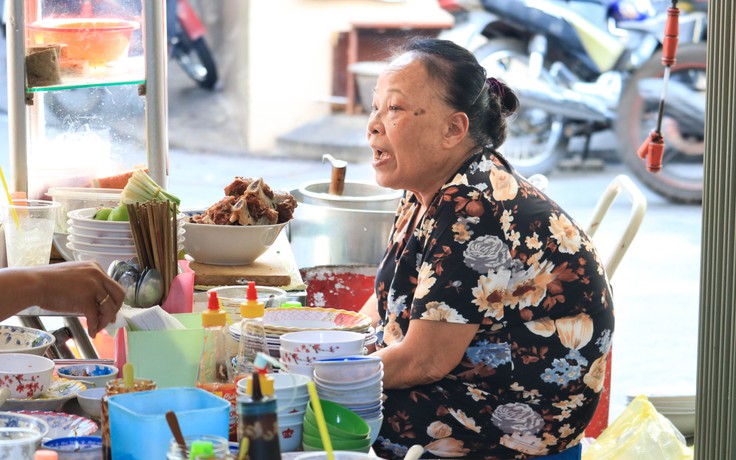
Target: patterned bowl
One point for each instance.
(95, 374)
(17, 339)
(16, 420)
(25, 375)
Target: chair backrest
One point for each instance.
(620, 183)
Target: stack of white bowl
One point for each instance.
(100, 240)
(300, 350)
(355, 382)
(677, 406)
(292, 398)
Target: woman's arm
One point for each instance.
(370, 309)
(428, 352)
(71, 287)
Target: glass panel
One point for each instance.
(100, 42)
(84, 134)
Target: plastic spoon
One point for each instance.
(128, 377)
(176, 431)
(414, 452)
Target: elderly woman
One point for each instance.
(492, 308)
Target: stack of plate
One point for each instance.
(280, 321)
(355, 382)
(677, 406)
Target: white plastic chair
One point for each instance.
(620, 183)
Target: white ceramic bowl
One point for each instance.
(229, 244)
(233, 296)
(78, 229)
(324, 344)
(305, 371)
(375, 425)
(348, 369)
(106, 248)
(90, 401)
(290, 436)
(19, 339)
(100, 240)
(348, 386)
(96, 374)
(16, 420)
(103, 258)
(25, 375)
(86, 218)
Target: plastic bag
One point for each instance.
(640, 432)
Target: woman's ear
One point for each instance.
(457, 128)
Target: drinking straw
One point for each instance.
(128, 379)
(321, 424)
(10, 198)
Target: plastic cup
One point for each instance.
(28, 240)
(18, 443)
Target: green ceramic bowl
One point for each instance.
(341, 421)
(362, 445)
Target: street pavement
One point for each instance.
(656, 286)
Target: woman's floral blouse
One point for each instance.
(495, 251)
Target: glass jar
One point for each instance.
(220, 448)
(115, 387)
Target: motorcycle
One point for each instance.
(583, 66)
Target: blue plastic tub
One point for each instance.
(138, 428)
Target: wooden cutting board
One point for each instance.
(267, 270)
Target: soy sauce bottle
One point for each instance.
(257, 419)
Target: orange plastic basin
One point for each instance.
(98, 41)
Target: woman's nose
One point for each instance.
(374, 124)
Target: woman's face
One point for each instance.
(407, 129)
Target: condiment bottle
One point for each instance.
(252, 333)
(128, 384)
(214, 373)
(257, 419)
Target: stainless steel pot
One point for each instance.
(322, 233)
(356, 195)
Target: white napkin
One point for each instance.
(143, 319)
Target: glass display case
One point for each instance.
(86, 101)
(86, 91)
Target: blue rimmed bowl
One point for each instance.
(19, 339)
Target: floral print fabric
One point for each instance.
(493, 250)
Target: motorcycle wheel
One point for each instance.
(196, 60)
(536, 139)
(681, 178)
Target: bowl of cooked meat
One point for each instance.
(239, 228)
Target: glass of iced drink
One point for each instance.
(29, 231)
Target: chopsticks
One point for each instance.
(154, 227)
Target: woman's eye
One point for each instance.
(393, 107)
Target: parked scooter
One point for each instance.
(584, 66)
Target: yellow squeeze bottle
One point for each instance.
(252, 333)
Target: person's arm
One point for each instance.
(428, 352)
(370, 309)
(70, 287)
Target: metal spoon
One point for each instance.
(150, 288)
(116, 269)
(129, 281)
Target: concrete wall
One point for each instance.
(275, 56)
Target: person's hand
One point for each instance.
(78, 287)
